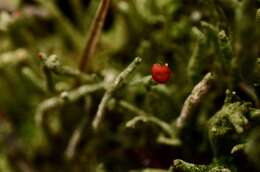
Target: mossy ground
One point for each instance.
(74, 97)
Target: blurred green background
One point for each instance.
(193, 37)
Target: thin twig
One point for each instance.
(53, 64)
(145, 81)
(172, 138)
(163, 125)
(194, 99)
(94, 34)
(75, 138)
(65, 97)
(110, 90)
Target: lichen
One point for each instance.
(227, 124)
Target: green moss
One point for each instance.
(182, 166)
(227, 124)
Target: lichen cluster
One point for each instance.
(77, 93)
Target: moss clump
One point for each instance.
(227, 124)
(181, 166)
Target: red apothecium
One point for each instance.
(161, 73)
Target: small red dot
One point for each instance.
(161, 74)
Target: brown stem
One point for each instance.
(95, 32)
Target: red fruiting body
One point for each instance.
(161, 74)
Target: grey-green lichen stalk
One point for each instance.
(79, 106)
(115, 85)
(194, 99)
